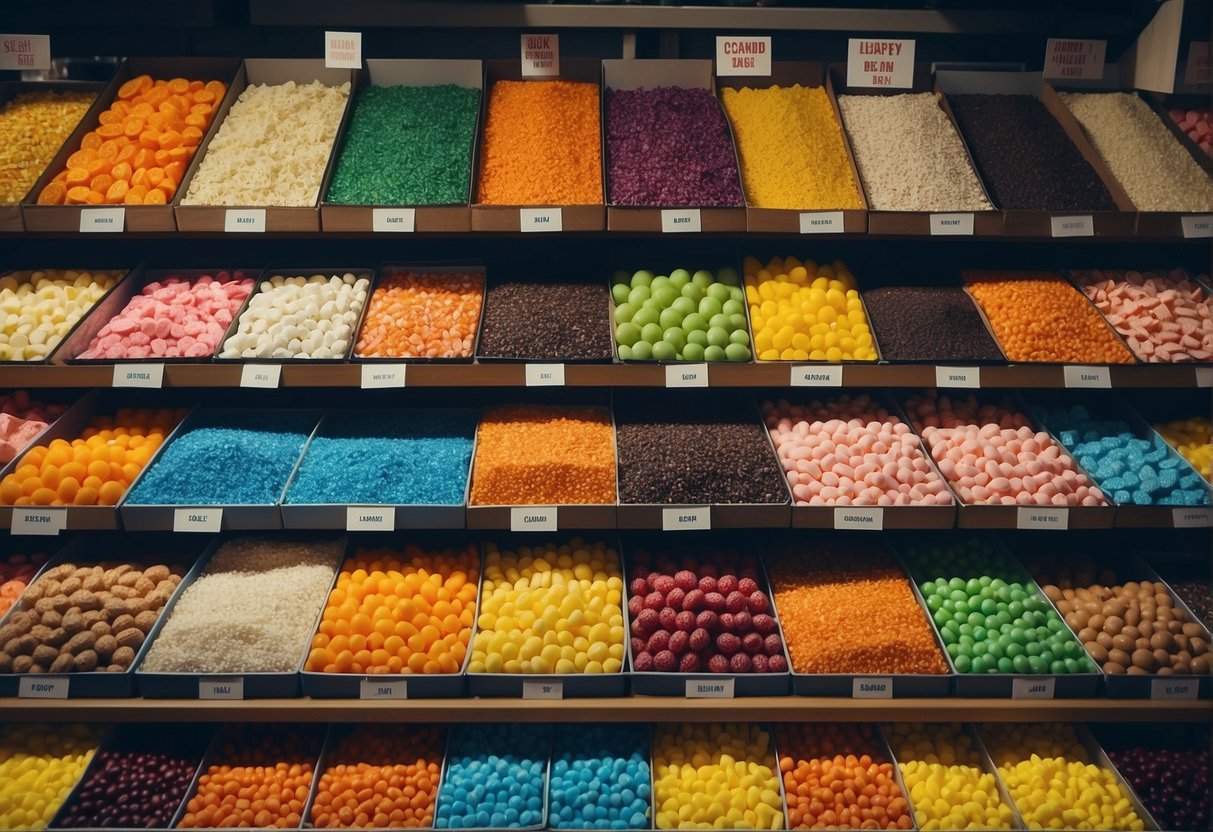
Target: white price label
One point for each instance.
(1174, 689)
(197, 519)
(686, 375)
(816, 375)
(949, 225)
(743, 55)
(240, 220)
(138, 375)
(821, 222)
(1204, 376)
(1081, 375)
(545, 375)
(686, 518)
(1196, 71)
(1197, 225)
(870, 518)
(370, 518)
(533, 519)
(958, 377)
(102, 220)
(872, 687)
(42, 521)
(394, 220)
(221, 687)
(875, 62)
(343, 50)
(43, 687)
(261, 375)
(540, 56)
(373, 688)
(680, 220)
(1082, 226)
(1074, 59)
(1186, 518)
(376, 376)
(543, 690)
(711, 688)
(1030, 688)
(540, 219)
(25, 51)
(1031, 517)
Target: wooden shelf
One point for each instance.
(624, 709)
(600, 375)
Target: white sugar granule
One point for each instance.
(251, 611)
(909, 155)
(272, 148)
(1155, 170)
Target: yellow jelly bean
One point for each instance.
(39, 765)
(1193, 438)
(948, 785)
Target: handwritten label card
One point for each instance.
(242, 220)
(543, 690)
(868, 518)
(540, 56)
(1080, 226)
(876, 62)
(370, 518)
(197, 519)
(686, 375)
(1031, 517)
(1083, 376)
(816, 375)
(533, 519)
(822, 222)
(394, 220)
(1074, 59)
(680, 220)
(686, 518)
(261, 375)
(343, 50)
(1196, 71)
(138, 375)
(377, 376)
(102, 220)
(872, 687)
(711, 688)
(544, 375)
(743, 55)
(43, 687)
(540, 219)
(40, 521)
(221, 687)
(958, 377)
(951, 225)
(1033, 688)
(25, 51)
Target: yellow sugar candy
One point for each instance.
(39, 765)
(715, 776)
(1193, 438)
(550, 609)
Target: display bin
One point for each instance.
(49, 397)
(1155, 737)
(983, 516)
(901, 685)
(916, 223)
(673, 683)
(121, 275)
(1097, 757)
(1065, 686)
(1131, 567)
(508, 218)
(881, 517)
(336, 515)
(484, 359)
(1175, 223)
(380, 72)
(387, 270)
(252, 684)
(235, 517)
(789, 220)
(1104, 405)
(320, 685)
(547, 779)
(273, 271)
(254, 71)
(84, 549)
(648, 750)
(191, 739)
(639, 73)
(116, 301)
(1118, 223)
(70, 218)
(10, 212)
(70, 426)
(563, 685)
(568, 516)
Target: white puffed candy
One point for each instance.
(40, 307)
(300, 317)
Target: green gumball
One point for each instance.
(627, 334)
(714, 353)
(737, 352)
(620, 292)
(664, 351)
(692, 352)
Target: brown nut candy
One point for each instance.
(146, 620)
(105, 646)
(131, 637)
(80, 642)
(22, 664)
(123, 657)
(62, 664)
(85, 661)
(45, 654)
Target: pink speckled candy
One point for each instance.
(991, 455)
(22, 419)
(173, 318)
(851, 452)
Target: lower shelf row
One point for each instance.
(628, 776)
(445, 616)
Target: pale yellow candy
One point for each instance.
(550, 609)
(39, 766)
(708, 776)
(40, 307)
(1054, 783)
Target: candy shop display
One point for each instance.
(806, 312)
(33, 126)
(272, 147)
(682, 316)
(41, 307)
(791, 148)
(145, 139)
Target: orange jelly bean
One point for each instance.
(414, 315)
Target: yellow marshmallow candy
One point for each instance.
(550, 609)
(806, 312)
(39, 766)
(943, 772)
(1193, 438)
(1054, 783)
(715, 776)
